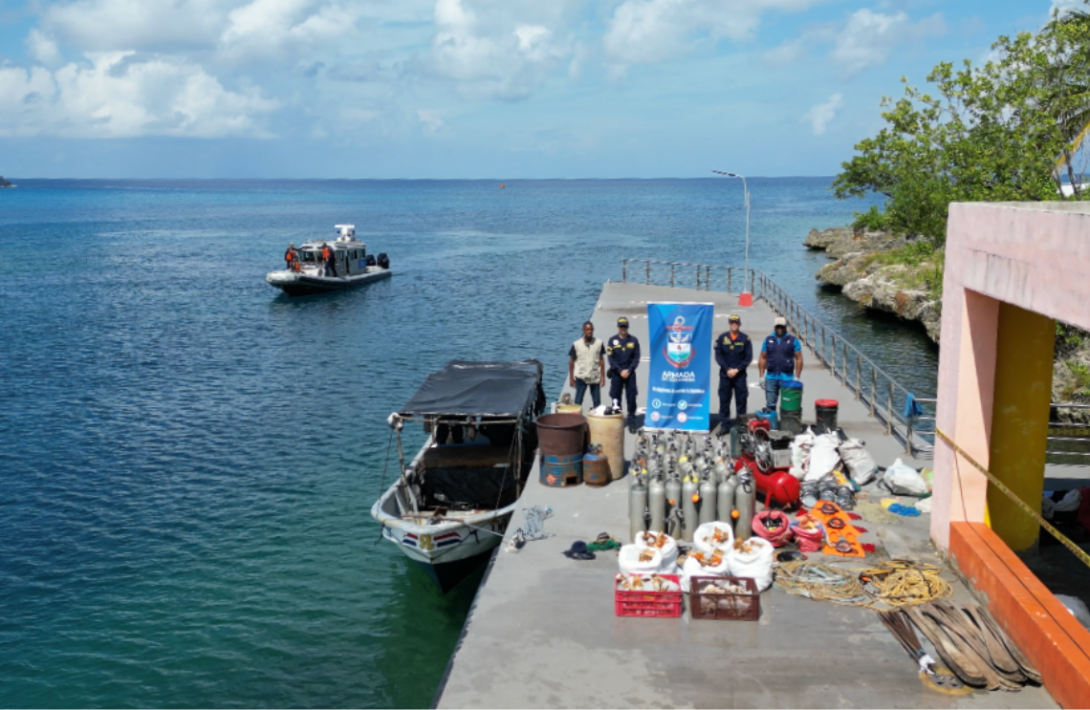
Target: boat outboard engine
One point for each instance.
(745, 502)
(637, 506)
(370, 259)
(383, 260)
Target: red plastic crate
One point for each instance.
(647, 603)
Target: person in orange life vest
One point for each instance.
(292, 257)
(330, 262)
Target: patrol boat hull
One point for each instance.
(303, 284)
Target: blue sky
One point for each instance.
(498, 89)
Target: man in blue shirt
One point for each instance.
(781, 359)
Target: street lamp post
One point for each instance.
(746, 297)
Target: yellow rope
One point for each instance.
(1064, 540)
(906, 583)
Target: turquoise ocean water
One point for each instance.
(189, 459)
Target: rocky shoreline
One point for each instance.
(864, 275)
(872, 269)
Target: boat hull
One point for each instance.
(295, 284)
(448, 552)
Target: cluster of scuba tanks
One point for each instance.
(681, 481)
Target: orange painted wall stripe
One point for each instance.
(1035, 620)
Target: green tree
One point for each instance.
(1003, 131)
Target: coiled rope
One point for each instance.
(894, 583)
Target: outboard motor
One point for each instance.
(383, 260)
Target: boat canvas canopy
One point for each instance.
(490, 389)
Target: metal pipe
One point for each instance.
(624, 270)
(889, 409)
(671, 275)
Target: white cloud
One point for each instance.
(42, 49)
(789, 52)
(269, 28)
(500, 55)
(432, 122)
(120, 96)
(113, 25)
(870, 37)
(820, 115)
(650, 31)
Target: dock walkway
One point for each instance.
(542, 632)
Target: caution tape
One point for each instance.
(1063, 539)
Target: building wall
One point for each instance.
(1035, 256)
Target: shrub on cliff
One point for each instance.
(1004, 131)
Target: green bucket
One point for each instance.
(791, 396)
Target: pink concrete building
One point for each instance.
(1012, 270)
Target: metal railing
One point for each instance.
(885, 398)
(680, 274)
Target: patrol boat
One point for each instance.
(451, 504)
(353, 266)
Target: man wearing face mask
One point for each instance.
(780, 361)
(586, 366)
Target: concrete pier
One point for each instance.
(543, 632)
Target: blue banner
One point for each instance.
(679, 377)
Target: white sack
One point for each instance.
(629, 561)
(1078, 609)
(903, 480)
(704, 542)
(861, 465)
(823, 457)
(668, 550)
(1070, 502)
(755, 564)
(693, 568)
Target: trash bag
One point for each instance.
(800, 453)
(903, 480)
(753, 559)
(668, 547)
(704, 537)
(823, 457)
(1070, 502)
(860, 464)
(1078, 609)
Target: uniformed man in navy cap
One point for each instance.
(623, 351)
(733, 353)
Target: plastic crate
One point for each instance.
(665, 605)
(741, 607)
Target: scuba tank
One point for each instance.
(745, 502)
(689, 515)
(722, 472)
(707, 498)
(637, 505)
(656, 503)
(673, 500)
(725, 497)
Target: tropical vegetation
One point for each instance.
(1009, 130)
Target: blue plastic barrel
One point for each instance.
(768, 415)
(561, 471)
